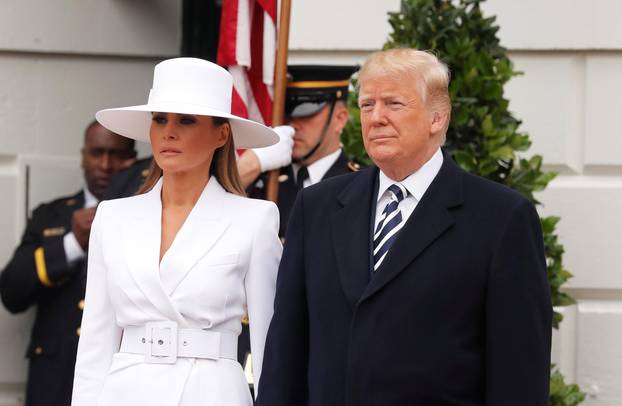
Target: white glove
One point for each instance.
(277, 155)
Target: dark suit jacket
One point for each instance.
(458, 314)
(54, 339)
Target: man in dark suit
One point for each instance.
(127, 182)
(413, 283)
(315, 106)
(47, 270)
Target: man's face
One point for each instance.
(309, 131)
(104, 153)
(398, 130)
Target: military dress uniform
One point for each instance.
(310, 88)
(40, 274)
(126, 183)
(288, 187)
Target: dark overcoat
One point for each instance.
(458, 314)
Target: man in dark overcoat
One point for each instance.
(413, 282)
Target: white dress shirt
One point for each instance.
(317, 169)
(416, 184)
(73, 250)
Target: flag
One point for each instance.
(247, 48)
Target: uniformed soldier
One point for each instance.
(47, 269)
(316, 108)
(127, 182)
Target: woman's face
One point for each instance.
(185, 142)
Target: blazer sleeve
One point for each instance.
(518, 315)
(100, 336)
(284, 380)
(260, 284)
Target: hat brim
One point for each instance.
(135, 122)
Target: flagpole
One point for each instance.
(280, 82)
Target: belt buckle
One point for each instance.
(161, 342)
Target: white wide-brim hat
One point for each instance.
(187, 86)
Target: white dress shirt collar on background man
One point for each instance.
(318, 169)
(89, 199)
(416, 184)
(73, 250)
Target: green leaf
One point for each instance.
(488, 126)
(504, 152)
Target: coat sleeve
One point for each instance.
(38, 263)
(284, 379)
(260, 284)
(519, 315)
(100, 336)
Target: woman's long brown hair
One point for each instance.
(223, 167)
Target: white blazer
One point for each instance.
(222, 263)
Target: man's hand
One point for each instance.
(277, 155)
(81, 225)
(254, 161)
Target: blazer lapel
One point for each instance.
(428, 222)
(203, 227)
(141, 235)
(350, 231)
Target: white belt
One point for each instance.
(162, 343)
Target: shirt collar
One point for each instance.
(418, 182)
(318, 169)
(89, 199)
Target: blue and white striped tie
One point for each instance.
(389, 225)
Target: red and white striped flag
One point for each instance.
(247, 48)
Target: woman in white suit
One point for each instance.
(172, 271)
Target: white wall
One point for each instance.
(60, 62)
(569, 99)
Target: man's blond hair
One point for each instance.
(431, 74)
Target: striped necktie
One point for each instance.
(389, 225)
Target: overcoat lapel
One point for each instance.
(141, 234)
(205, 224)
(428, 222)
(350, 232)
